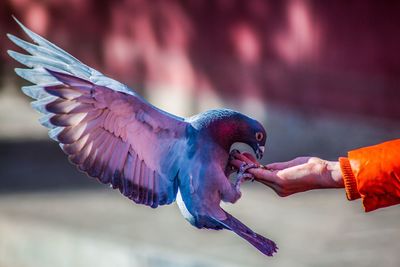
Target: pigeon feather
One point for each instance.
(151, 156)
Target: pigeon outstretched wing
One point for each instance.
(106, 129)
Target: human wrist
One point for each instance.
(336, 177)
(328, 174)
(324, 173)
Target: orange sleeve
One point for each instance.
(373, 174)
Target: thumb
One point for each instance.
(263, 175)
(247, 158)
(250, 157)
(287, 164)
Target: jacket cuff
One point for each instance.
(350, 182)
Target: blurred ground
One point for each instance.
(100, 228)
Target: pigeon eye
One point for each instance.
(259, 136)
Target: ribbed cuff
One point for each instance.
(350, 182)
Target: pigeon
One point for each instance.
(152, 157)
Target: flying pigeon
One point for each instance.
(151, 156)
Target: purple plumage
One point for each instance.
(266, 246)
(151, 156)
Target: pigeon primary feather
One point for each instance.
(151, 156)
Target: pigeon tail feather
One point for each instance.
(264, 245)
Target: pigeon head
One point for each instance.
(226, 127)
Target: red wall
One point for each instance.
(335, 56)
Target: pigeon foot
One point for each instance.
(243, 175)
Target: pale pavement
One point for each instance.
(101, 228)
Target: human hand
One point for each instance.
(294, 176)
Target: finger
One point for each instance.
(278, 165)
(236, 163)
(264, 175)
(240, 157)
(287, 164)
(250, 157)
(245, 159)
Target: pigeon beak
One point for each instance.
(260, 151)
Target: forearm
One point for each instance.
(373, 173)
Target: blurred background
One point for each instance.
(323, 77)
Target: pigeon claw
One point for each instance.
(246, 166)
(243, 175)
